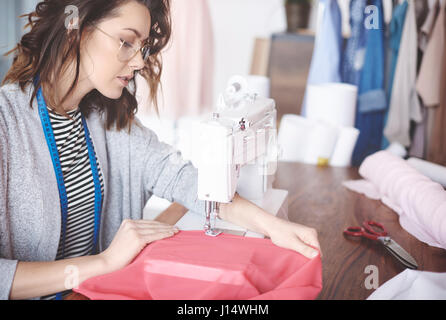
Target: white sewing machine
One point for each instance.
(236, 150)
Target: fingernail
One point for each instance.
(314, 254)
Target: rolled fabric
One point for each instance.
(321, 144)
(305, 140)
(315, 142)
(419, 201)
(342, 154)
(432, 170)
(293, 137)
(333, 103)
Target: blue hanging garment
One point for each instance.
(326, 60)
(354, 54)
(372, 102)
(396, 31)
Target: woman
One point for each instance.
(79, 207)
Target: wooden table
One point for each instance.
(317, 199)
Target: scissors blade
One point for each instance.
(398, 252)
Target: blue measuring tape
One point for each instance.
(51, 142)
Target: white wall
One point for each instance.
(236, 25)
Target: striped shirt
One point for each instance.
(78, 178)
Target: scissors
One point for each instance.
(367, 231)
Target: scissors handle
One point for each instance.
(354, 231)
(368, 226)
(367, 230)
(360, 232)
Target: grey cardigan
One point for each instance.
(135, 165)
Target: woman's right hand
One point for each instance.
(131, 238)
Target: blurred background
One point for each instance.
(232, 28)
(349, 77)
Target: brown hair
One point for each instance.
(46, 50)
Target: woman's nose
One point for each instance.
(137, 62)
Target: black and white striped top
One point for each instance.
(72, 147)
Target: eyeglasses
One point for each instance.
(127, 51)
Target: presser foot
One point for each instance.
(213, 232)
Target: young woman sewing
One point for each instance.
(76, 166)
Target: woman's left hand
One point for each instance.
(295, 236)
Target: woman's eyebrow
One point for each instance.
(136, 32)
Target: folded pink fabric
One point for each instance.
(193, 266)
(420, 202)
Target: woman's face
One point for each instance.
(100, 61)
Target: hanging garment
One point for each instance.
(413, 285)
(188, 62)
(326, 60)
(423, 130)
(419, 202)
(193, 266)
(421, 12)
(371, 95)
(437, 145)
(428, 82)
(354, 53)
(428, 25)
(395, 32)
(404, 103)
(418, 145)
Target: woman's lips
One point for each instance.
(124, 81)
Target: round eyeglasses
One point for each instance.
(128, 51)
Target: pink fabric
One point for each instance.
(193, 266)
(420, 202)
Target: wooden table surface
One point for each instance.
(317, 199)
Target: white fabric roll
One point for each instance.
(431, 170)
(293, 137)
(315, 142)
(334, 103)
(321, 144)
(345, 145)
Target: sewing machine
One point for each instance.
(236, 150)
